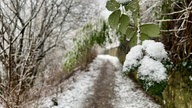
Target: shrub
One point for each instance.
(146, 63)
(88, 37)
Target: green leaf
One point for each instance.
(133, 40)
(132, 6)
(130, 32)
(144, 37)
(152, 30)
(124, 22)
(112, 5)
(114, 19)
(135, 18)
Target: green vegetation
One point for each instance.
(126, 19)
(87, 38)
(175, 24)
(176, 35)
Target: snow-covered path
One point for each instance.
(101, 84)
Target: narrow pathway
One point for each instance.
(103, 88)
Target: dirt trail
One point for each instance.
(104, 88)
(100, 86)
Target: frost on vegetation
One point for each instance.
(122, 1)
(151, 70)
(133, 58)
(147, 58)
(155, 50)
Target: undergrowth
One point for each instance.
(84, 43)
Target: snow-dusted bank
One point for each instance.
(75, 91)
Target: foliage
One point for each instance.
(168, 65)
(88, 37)
(125, 18)
(155, 89)
(148, 68)
(184, 65)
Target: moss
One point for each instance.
(178, 93)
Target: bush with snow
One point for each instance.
(151, 70)
(147, 59)
(154, 49)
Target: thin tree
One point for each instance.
(29, 29)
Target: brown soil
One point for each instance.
(103, 89)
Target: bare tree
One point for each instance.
(29, 29)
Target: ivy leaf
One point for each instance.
(124, 22)
(152, 30)
(144, 37)
(114, 19)
(112, 5)
(133, 40)
(135, 18)
(132, 6)
(130, 32)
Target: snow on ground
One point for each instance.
(128, 96)
(75, 94)
(81, 84)
(114, 60)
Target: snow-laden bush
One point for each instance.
(147, 59)
(154, 49)
(133, 58)
(151, 70)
